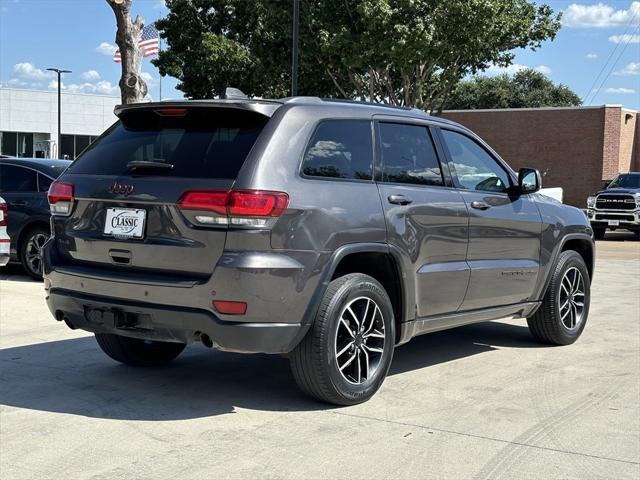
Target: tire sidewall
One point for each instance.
(23, 251)
(359, 286)
(571, 260)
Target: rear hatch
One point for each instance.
(126, 186)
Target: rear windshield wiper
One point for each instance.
(140, 164)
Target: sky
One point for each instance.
(596, 52)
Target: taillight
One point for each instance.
(60, 198)
(230, 308)
(3, 214)
(235, 207)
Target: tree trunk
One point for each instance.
(133, 88)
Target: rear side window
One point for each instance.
(17, 179)
(340, 149)
(204, 142)
(408, 155)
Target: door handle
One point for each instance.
(480, 205)
(19, 203)
(399, 200)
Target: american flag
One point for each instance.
(149, 43)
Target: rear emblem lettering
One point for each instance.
(121, 188)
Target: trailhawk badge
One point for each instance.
(125, 222)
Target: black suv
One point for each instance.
(616, 206)
(23, 184)
(329, 231)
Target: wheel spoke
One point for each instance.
(373, 349)
(348, 362)
(355, 317)
(564, 305)
(359, 379)
(364, 317)
(564, 315)
(347, 346)
(375, 334)
(346, 325)
(366, 363)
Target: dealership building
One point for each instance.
(29, 122)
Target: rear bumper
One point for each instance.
(170, 324)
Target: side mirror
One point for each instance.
(529, 180)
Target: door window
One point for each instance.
(474, 167)
(340, 149)
(17, 179)
(408, 155)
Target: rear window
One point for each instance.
(206, 142)
(340, 149)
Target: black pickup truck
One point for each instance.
(616, 206)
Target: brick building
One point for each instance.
(574, 148)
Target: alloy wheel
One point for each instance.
(571, 299)
(360, 340)
(33, 252)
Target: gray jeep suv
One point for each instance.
(329, 231)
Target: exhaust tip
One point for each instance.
(206, 341)
(59, 315)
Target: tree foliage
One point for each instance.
(527, 88)
(403, 52)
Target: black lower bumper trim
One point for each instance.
(172, 324)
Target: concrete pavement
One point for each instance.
(482, 401)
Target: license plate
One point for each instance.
(614, 223)
(125, 222)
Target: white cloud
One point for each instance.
(102, 87)
(626, 38)
(90, 76)
(631, 69)
(107, 49)
(620, 90)
(29, 71)
(591, 56)
(514, 68)
(149, 79)
(599, 16)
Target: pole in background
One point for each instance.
(59, 72)
(294, 60)
(160, 76)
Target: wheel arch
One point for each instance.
(379, 260)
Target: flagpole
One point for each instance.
(160, 76)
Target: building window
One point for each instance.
(9, 143)
(67, 147)
(25, 144)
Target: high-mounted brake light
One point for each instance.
(171, 112)
(60, 198)
(234, 206)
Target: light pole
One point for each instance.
(59, 72)
(294, 60)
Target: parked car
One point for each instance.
(329, 231)
(23, 184)
(4, 238)
(616, 206)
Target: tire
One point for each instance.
(29, 249)
(553, 323)
(598, 232)
(138, 353)
(315, 363)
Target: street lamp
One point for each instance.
(294, 53)
(59, 72)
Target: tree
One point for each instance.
(132, 87)
(403, 52)
(527, 88)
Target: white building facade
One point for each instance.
(29, 122)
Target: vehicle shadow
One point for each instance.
(75, 377)
(15, 273)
